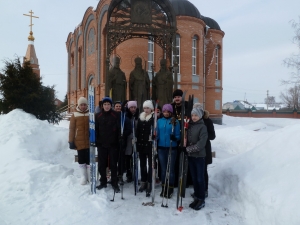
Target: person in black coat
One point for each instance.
(108, 130)
(211, 136)
(144, 145)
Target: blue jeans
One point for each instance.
(196, 166)
(163, 160)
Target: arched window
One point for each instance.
(194, 55)
(91, 41)
(176, 53)
(150, 57)
(217, 62)
(79, 67)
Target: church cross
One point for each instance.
(31, 38)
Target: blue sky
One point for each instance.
(258, 37)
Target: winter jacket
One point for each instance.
(143, 133)
(131, 117)
(177, 110)
(211, 136)
(164, 130)
(79, 129)
(108, 128)
(196, 138)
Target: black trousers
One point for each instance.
(206, 177)
(84, 156)
(112, 154)
(146, 173)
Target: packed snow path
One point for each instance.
(253, 180)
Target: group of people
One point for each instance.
(115, 131)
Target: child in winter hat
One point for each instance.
(131, 104)
(167, 107)
(148, 104)
(197, 110)
(82, 100)
(106, 99)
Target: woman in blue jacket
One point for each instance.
(168, 133)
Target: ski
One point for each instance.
(123, 116)
(135, 160)
(154, 151)
(92, 139)
(183, 157)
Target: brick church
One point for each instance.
(153, 30)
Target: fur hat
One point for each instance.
(149, 104)
(106, 99)
(82, 100)
(131, 104)
(177, 92)
(167, 107)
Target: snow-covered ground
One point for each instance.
(254, 178)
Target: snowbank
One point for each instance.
(253, 180)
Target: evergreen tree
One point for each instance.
(21, 88)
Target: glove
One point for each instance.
(72, 145)
(183, 149)
(172, 137)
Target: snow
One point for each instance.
(253, 180)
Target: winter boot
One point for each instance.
(200, 204)
(83, 172)
(162, 190)
(148, 190)
(88, 171)
(170, 192)
(102, 185)
(143, 186)
(192, 205)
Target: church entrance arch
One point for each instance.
(154, 20)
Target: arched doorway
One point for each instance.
(154, 20)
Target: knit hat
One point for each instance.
(167, 107)
(106, 99)
(82, 100)
(131, 103)
(177, 92)
(149, 104)
(197, 110)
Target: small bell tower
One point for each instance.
(30, 53)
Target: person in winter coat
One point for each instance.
(127, 130)
(108, 130)
(195, 148)
(132, 113)
(144, 145)
(211, 136)
(168, 133)
(79, 138)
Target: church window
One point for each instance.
(194, 55)
(150, 57)
(91, 42)
(176, 53)
(217, 62)
(79, 67)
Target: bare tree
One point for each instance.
(270, 101)
(294, 60)
(292, 97)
